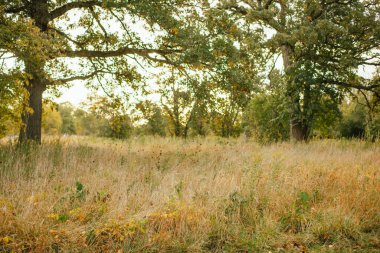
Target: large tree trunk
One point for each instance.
(32, 114)
(299, 129)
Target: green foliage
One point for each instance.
(353, 122)
(266, 117)
(12, 96)
(225, 122)
(155, 121)
(86, 123)
(218, 52)
(66, 111)
(51, 119)
(80, 192)
(63, 217)
(322, 45)
(302, 203)
(361, 117)
(327, 116)
(113, 115)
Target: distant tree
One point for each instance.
(112, 115)
(87, 123)
(51, 119)
(119, 127)
(153, 115)
(185, 98)
(177, 100)
(176, 105)
(371, 101)
(200, 121)
(66, 111)
(353, 121)
(226, 119)
(362, 115)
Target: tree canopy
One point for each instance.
(223, 57)
(322, 44)
(43, 35)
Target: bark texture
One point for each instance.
(299, 127)
(36, 85)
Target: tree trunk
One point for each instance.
(32, 115)
(287, 57)
(299, 129)
(177, 122)
(370, 132)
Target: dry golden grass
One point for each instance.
(202, 195)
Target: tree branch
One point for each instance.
(260, 14)
(82, 4)
(66, 36)
(123, 51)
(267, 4)
(73, 78)
(371, 87)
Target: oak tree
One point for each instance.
(57, 42)
(322, 44)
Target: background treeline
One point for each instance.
(264, 119)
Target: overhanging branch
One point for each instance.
(74, 78)
(146, 53)
(82, 4)
(66, 36)
(116, 53)
(371, 87)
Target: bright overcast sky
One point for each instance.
(78, 92)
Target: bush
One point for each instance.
(353, 121)
(266, 118)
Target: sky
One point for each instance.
(75, 94)
(78, 93)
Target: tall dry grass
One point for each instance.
(201, 195)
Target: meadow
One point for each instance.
(148, 194)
